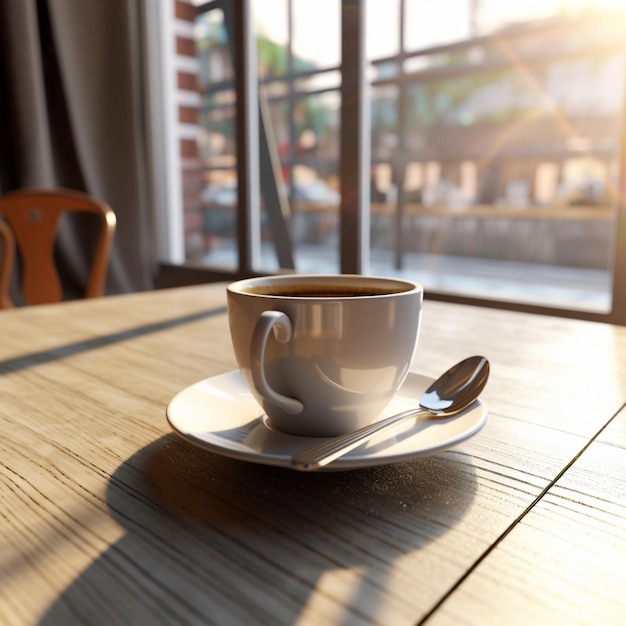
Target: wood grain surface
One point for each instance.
(565, 562)
(107, 517)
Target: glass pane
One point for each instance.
(316, 32)
(314, 191)
(319, 81)
(272, 28)
(299, 98)
(495, 155)
(306, 135)
(211, 222)
(382, 28)
(427, 25)
(302, 128)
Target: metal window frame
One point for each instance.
(354, 152)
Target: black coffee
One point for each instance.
(319, 291)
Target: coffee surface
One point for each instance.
(319, 291)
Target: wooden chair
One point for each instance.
(31, 217)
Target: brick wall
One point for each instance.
(188, 100)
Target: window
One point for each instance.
(495, 135)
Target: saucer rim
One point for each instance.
(352, 460)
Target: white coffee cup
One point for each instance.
(323, 355)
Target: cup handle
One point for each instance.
(283, 330)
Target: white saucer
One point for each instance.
(221, 415)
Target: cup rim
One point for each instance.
(403, 286)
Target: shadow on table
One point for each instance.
(200, 528)
(63, 351)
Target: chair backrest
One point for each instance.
(7, 254)
(33, 216)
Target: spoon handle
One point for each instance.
(324, 453)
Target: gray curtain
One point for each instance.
(72, 114)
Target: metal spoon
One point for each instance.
(451, 393)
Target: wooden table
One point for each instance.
(108, 517)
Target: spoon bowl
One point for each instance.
(453, 392)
